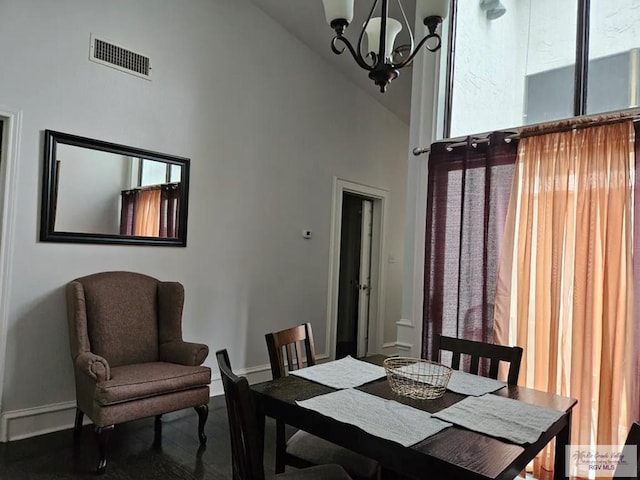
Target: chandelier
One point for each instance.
(383, 64)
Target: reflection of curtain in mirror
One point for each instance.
(128, 211)
(169, 204)
(151, 211)
(147, 216)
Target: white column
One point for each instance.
(422, 129)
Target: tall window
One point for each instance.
(535, 61)
(614, 52)
(152, 172)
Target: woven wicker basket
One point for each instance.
(417, 378)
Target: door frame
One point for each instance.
(380, 199)
(9, 152)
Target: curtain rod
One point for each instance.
(472, 141)
(529, 131)
(157, 186)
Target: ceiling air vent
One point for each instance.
(115, 56)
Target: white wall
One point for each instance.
(267, 125)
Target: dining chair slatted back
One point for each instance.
(477, 351)
(633, 440)
(247, 439)
(290, 343)
(303, 450)
(294, 344)
(246, 445)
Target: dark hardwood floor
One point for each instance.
(132, 453)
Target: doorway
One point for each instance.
(352, 331)
(356, 274)
(9, 135)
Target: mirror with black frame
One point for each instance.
(101, 192)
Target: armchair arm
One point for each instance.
(183, 353)
(94, 366)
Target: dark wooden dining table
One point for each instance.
(453, 453)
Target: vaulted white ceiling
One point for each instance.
(306, 21)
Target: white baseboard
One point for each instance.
(31, 422)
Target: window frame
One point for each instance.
(581, 70)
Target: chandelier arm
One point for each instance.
(356, 56)
(437, 45)
(415, 52)
(364, 29)
(406, 22)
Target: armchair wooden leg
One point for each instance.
(203, 413)
(157, 431)
(103, 434)
(77, 427)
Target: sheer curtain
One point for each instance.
(565, 288)
(151, 211)
(147, 217)
(635, 399)
(468, 194)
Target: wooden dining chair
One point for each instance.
(247, 446)
(633, 440)
(295, 344)
(477, 351)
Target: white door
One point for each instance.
(365, 277)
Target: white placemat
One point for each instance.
(469, 384)
(378, 416)
(501, 417)
(344, 373)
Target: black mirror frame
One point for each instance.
(49, 193)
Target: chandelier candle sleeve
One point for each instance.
(381, 32)
(373, 35)
(338, 10)
(432, 8)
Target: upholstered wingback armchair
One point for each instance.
(125, 331)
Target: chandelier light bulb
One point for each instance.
(378, 59)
